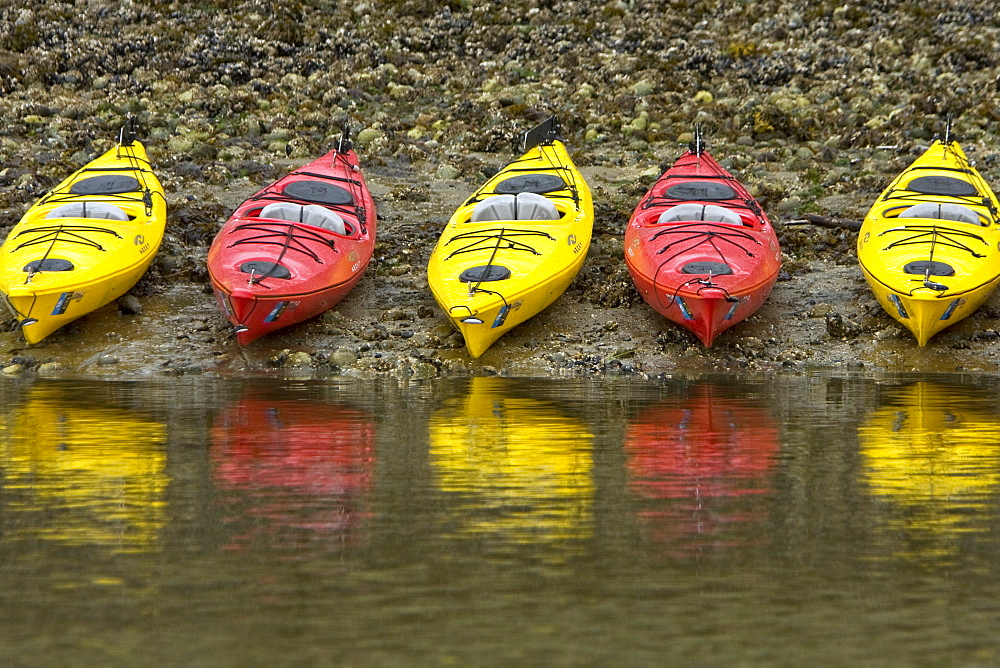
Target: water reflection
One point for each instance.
(298, 469)
(518, 468)
(701, 466)
(933, 453)
(81, 472)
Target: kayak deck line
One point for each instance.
(499, 235)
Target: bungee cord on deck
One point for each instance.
(701, 236)
(293, 237)
(52, 234)
(721, 233)
(479, 240)
(138, 168)
(934, 235)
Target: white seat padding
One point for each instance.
(700, 212)
(523, 206)
(101, 210)
(310, 214)
(956, 212)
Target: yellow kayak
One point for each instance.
(515, 245)
(929, 245)
(85, 243)
(520, 468)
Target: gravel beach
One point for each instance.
(815, 108)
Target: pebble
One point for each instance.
(840, 327)
(643, 88)
(447, 172)
(298, 360)
(343, 358)
(129, 305)
(49, 369)
(367, 136)
(443, 331)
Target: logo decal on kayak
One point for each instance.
(501, 316)
(276, 312)
(63, 302)
(684, 309)
(280, 308)
(732, 309)
(140, 241)
(352, 257)
(900, 309)
(571, 241)
(955, 303)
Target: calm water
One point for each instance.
(485, 521)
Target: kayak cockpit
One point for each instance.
(709, 213)
(938, 211)
(522, 206)
(308, 214)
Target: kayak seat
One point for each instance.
(700, 212)
(956, 212)
(310, 214)
(100, 210)
(523, 206)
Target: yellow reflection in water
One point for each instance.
(83, 474)
(522, 468)
(934, 453)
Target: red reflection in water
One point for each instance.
(701, 466)
(302, 465)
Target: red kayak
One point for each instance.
(293, 250)
(699, 247)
